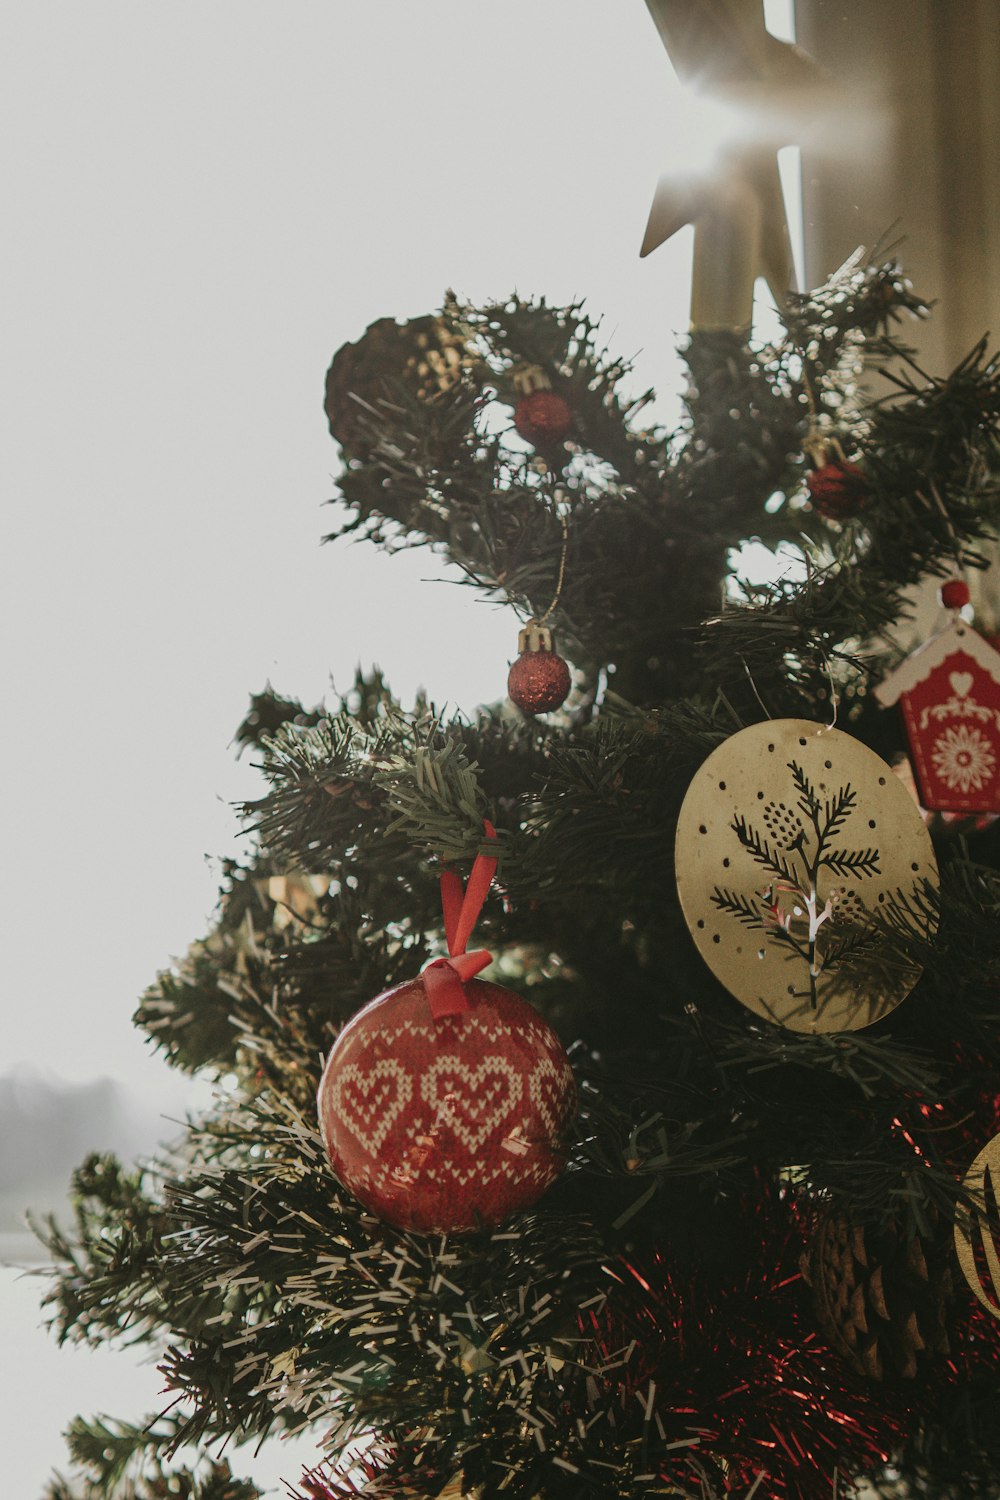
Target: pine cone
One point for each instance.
(881, 1296)
(848, 909)
(783, 824)
(425, 354)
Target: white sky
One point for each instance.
(202, 202)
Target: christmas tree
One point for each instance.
(691, 1193)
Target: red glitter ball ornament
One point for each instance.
(539, 679)
(838, 489)
(446, 1124)
(955, 593)
(542, 418)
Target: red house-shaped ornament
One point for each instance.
(949, 692)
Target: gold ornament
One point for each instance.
(738, 210)
(796, 850)
(977, 1227)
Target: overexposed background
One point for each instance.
(202, 203)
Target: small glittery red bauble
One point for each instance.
(955, 593)
(542, 417)
(538, 681)
(838, 490)
(446, 1125)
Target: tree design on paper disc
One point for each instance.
(977, 1227)
(804, 872)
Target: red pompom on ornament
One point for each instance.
(543, 418)
(539, 679)
(838, 489)
(444, 1102)
(955, 593)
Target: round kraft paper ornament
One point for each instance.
(977, 1227)
(803, 865)
(445, 1102)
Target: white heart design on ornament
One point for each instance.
(473, 1101)
(369, 1100)
(961, 682)
(548, 1089)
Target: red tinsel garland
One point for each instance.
(707, 1384)
(738, 1372)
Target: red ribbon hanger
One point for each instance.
(444, 978)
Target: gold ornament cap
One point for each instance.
(529, 378)
(534, 636)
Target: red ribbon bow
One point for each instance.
(444, 978)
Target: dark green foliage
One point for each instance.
(280, 1303)
(266, 714)
(114, 1452)
(118, 1225)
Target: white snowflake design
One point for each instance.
(963, 758)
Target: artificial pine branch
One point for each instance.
(627, 1335)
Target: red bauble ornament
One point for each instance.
(949, 693)
(542, 418)
(539, 680)
(448, 1124)
(955, 593)
(838, 489)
